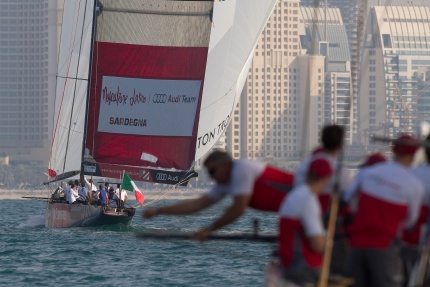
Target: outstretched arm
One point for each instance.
(189, 206)
(233, 212)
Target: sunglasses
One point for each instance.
(212, 171)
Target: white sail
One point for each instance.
(73, 66)
(229, 44)
(237, 25)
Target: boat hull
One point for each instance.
(63, 215)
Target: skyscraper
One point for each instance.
(326, 34)
(278, 118)
(28, 57)
(395, 68)
(349, 11)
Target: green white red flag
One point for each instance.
(130, 186)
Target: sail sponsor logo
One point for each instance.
(163, 99)
(153, 107)
(213, 134)
(159, 99)
(127, 122)
(166, 177)
(161, 176)
(189, 100)
(119, 98)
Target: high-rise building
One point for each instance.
(395, 65)
(28, 59)
(349, 11)
(282, 95)
(326, 35)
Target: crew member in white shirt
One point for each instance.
(72, 195)
(389, 201)
(250, 183)
(301, 230)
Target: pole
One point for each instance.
(334, 207)
(325, 270)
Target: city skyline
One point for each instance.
(303, 75)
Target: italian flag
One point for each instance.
(130, 186)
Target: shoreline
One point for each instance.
(149, 194)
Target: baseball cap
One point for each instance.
(320, 167)
(406, 145)
(374, 158)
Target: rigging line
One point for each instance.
(154, 12)
(72, 78)
(171, 190)
(72, 48)
(64, 88)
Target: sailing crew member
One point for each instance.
(72, 194)
(83, 193)
(122, 195)
(301, 230)
(118, 188)
(102, 195)
(332, 143)
(389, 200)
(250, 183)
(412, 238)
(350, 196)
(90, 185)
(67, 189)
(113, 198)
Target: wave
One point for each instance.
(33, 221)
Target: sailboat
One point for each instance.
(145, 87)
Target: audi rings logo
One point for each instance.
(161, 176)
(159, 98)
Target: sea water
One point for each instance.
(32, 255)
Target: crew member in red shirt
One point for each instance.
(250, 183)
(301, 230)
(332, 137)
(389, 200)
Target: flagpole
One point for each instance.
(120, 189)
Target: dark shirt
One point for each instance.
(103, 197)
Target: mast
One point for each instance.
(93, 35)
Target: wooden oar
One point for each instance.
(417, 276)
(325, 270)
(186, 235)
(35, 197)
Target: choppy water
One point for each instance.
(32, 255)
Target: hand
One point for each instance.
(149, 213)
(201, 235)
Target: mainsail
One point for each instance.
(165, 77)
